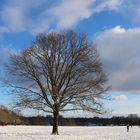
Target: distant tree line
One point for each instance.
(115, 120)
(8, 117)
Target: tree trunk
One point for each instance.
(55, 123)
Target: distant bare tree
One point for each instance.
(61, 71)
(133, 119)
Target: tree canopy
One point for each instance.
(60, 71)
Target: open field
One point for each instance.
(69, 133)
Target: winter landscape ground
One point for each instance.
(69, 133)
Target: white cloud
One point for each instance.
(42, 15)
(16, 14)
(120, 98)
(119, 49)
(3, 30)
(130, 9)
(108, 5)
(118, 30)
(13, 18)
(68, 13)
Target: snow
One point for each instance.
(69, 133)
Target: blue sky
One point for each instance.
(113, 25)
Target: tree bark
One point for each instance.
(55, 123)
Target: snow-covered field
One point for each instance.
(69, 133)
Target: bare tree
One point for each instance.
(59, 72)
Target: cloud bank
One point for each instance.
(120, 52)
(36, 16)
